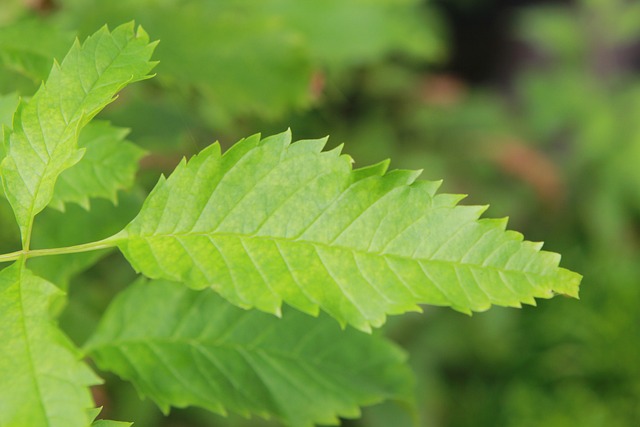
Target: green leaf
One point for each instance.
(271, 222)
(183, 347)
(43, 381)
(45, 131)
(109, 164)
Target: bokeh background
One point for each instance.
(530, 106)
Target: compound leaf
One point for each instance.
(43, 381)
(43, 142)
(109, 164)
(183, 347)
(271, 221)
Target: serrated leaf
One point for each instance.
(43, 381)
(269, 222)
(109, 164)
(45, 130)
(183, 347)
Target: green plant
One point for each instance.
(264, 223)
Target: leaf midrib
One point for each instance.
(64, 131)
(25, 333)
(195, 342)
(330, 246)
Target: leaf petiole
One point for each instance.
(109, 242)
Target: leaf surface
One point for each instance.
(43, 381)
(45, 130)
(109, 164)
(183, 347)
(271, 221)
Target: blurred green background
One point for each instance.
(530, 106)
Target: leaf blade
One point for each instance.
(44, 382)
(269, 222)
(109, 165)
(208, 353)
(43, 142)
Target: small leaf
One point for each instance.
(269, 222)
(43, 381)
(182, 347)
(43, 142)
(109, 164)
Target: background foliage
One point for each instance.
(531, 106)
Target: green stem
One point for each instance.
(11, 256)
(109, 242)
(26, 238)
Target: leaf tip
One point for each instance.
(140, 32)
(366, 328)
(85, 203)
(430, 187)
(569, 283)
(463, 310)
(277, 311)
(415, 309)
